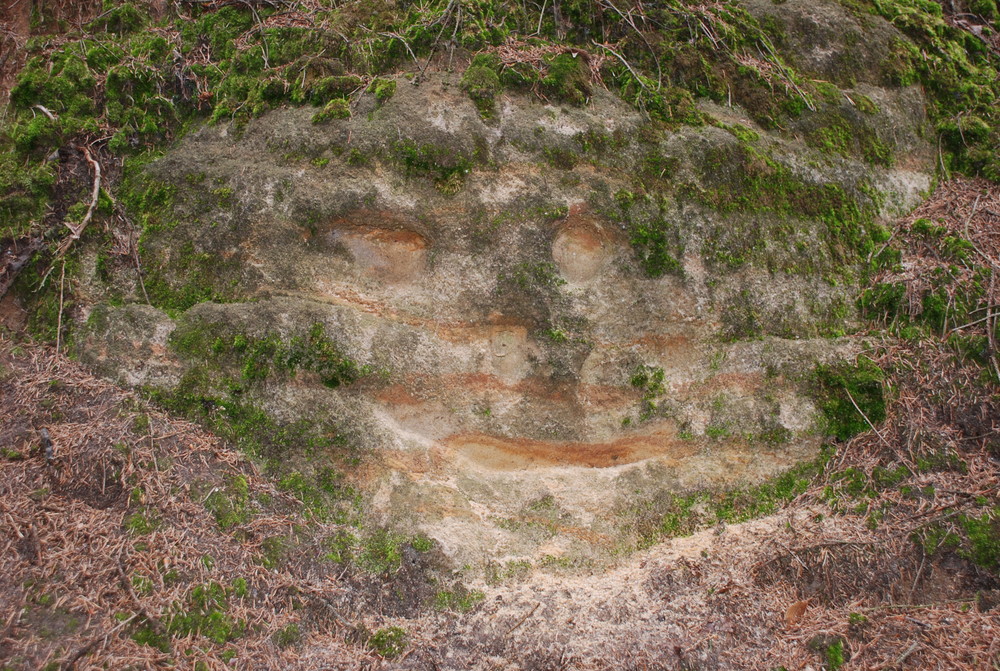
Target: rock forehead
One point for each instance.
(562, 303)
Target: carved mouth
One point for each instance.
(514, 454)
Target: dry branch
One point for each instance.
(44, 110)
(95, 195)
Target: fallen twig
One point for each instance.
(47, 112)
(614, 53)
(77, 230)
(62, 287)
(628, 19)
(867, 421)
(522, 620)
(909, 651)
(991, 327)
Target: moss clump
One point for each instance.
(853, 487)
(568, 78)
(222, 406)
(319, 492)
(482, 84)
(460, 599)
(987, 9)
(983, 539)
(672, 106)
(884, 302)
(383, 89)
(273, 551)
(960, 75)
(227, 373)
(836, 134)
(598, 141)
(540, 277)
(330, 88)
(178, 281)
(335, 109)
(25, 189)
(258, 358)
(744, 134)
(649, 380)
(147, 635)
(123, 19)
(836, 655)
(446, 167)
(851, 396)
(377, 553)
(230, 506)
(390, 642)
(655, 241)
(142, 522)
(175, 278)
(974, 538)
(381, 553)
(658, 248)
(287, 636)
(743, 317)
(952, 295)
(204, 613)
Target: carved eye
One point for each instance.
(388, 254)
(580, 249)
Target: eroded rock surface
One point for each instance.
(562, 305)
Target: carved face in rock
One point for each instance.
(552, 331)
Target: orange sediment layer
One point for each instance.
(511, 454)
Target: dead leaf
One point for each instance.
(795, 613)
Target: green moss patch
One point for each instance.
(568, 79)
(142, 522)
(974, 538)
(288, 635)
(390, 642)
(335, 109)
(655, 239)
(482, 84)
(958, 71)
(459, 600)
(846, 136)
(948, 301)
(851, 396)
(221, 388)
(205, 613)
(445, 166)
(229, 505)
(674, 515)
(378, 552)
(260, 357)
(649, 380)
(741, 178)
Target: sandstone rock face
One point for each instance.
(560, 312)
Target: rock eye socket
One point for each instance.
(391, 254)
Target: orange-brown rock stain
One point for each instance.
(510, 454)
